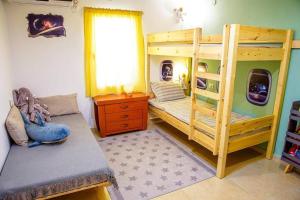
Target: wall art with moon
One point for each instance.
(45, 25)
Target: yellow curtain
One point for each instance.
(95, 87)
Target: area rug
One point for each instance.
(151, 163)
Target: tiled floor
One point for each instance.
(250, 177)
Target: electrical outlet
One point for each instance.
(211, 86)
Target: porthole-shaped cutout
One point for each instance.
(202, 82)
(218, 82)
(166, 70)
(259, 87)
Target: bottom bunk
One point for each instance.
(244, 131)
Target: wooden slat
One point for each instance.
(210, 52)
(280, 90)
(181, 51)
(202, 126)
(210, 76)
(180, 36)
(101, 186)
(173, 121)
(203, 140)
(250, 125)
(296, 44)
(248, 141)
(208, 94)
(259, 53)
(211, 39)
(220, 104)
(250, 34)
(204, 110)
(228, 99)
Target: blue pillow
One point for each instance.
(45, 132)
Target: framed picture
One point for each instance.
(166, 70)
(46, 25)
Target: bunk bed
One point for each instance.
(216, 126)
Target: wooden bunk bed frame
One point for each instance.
(191, 43)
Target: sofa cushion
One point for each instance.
(15, 127)
(61, 104)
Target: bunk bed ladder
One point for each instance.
(218, 96)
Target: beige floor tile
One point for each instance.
(177, 195)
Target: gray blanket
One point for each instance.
(31, 173)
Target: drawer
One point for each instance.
(121, 116)
(124, 125)
(122, 107)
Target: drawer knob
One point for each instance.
(124, 116)
(124, 125)
(124, 107)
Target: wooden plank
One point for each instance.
(180, 51)
(148, 87)
(281, 83)
(296, 44)
(220, 105)
(211, 39)
(210, 76)
(259, 53)
(203, 140)
(250, 125)
(100, 185)
(180, 36)
(202, 126)
(195, 63)
(204, 110)
(228, 99)
(248, 141)
(251, 34)
(210, 52)
(208, 94)
(173, 121)
(289, 168)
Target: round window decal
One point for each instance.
(166, 70)
(259, 87)
(202, 82)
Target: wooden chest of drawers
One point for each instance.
(121, 113)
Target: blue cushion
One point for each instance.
(45, 132)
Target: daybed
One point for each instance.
(238, 43)
(49, 171)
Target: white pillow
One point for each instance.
(167, 91)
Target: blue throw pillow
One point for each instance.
(45, 132)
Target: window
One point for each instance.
(259, 87)
(114, 57)
(202, 82)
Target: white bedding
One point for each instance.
(181, 109)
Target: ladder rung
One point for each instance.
(204, 110)
(203, 126)
(206, 93)
(210, 76)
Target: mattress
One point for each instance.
(31, 173)
(181, 109)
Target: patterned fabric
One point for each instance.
(181, 109)
(150, 163)
(167, 91)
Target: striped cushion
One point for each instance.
(167, 91)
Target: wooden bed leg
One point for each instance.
(284, 66)
(288, 168)
(221, 167)
(102, 193)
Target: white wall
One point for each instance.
(56, 65)
(5, 85)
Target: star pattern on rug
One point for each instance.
(149, 164)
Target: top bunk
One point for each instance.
(253, 43)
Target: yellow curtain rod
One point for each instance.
(113, 10)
